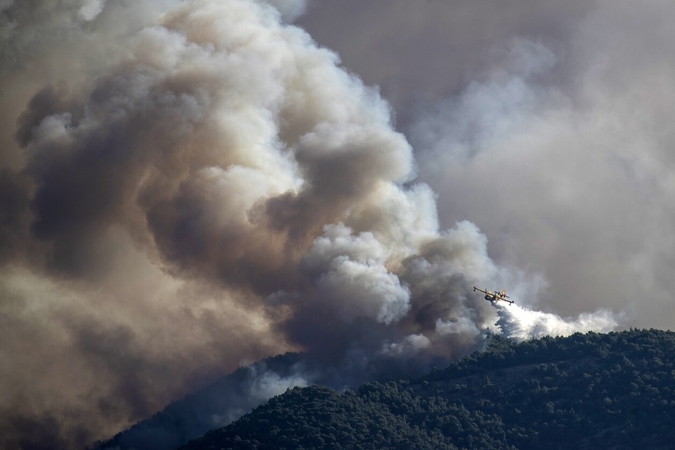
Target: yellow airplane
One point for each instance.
(494, 296)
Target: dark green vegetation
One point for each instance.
(594, 391)
(193, 415)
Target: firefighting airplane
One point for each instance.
(494, 296)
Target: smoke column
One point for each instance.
(193, 186)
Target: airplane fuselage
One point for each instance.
(494, 297)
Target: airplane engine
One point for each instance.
(489, 297)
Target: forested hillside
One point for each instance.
(200, 411)
(594, 391)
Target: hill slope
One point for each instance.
(195, 414)
(584, 391)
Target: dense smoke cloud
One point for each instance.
(544, 123)
(193, 186)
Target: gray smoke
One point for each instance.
(544, 123)
(191, 186)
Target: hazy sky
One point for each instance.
(189, 186)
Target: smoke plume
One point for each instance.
(187, 187)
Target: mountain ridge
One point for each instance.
(589, 390)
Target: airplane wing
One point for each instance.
(496, 295)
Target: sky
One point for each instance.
(187, 187)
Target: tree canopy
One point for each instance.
(590, 390)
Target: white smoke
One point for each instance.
(521, 323)
(90, 10)
(260, 385)
(352, 275)
(408, 346)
